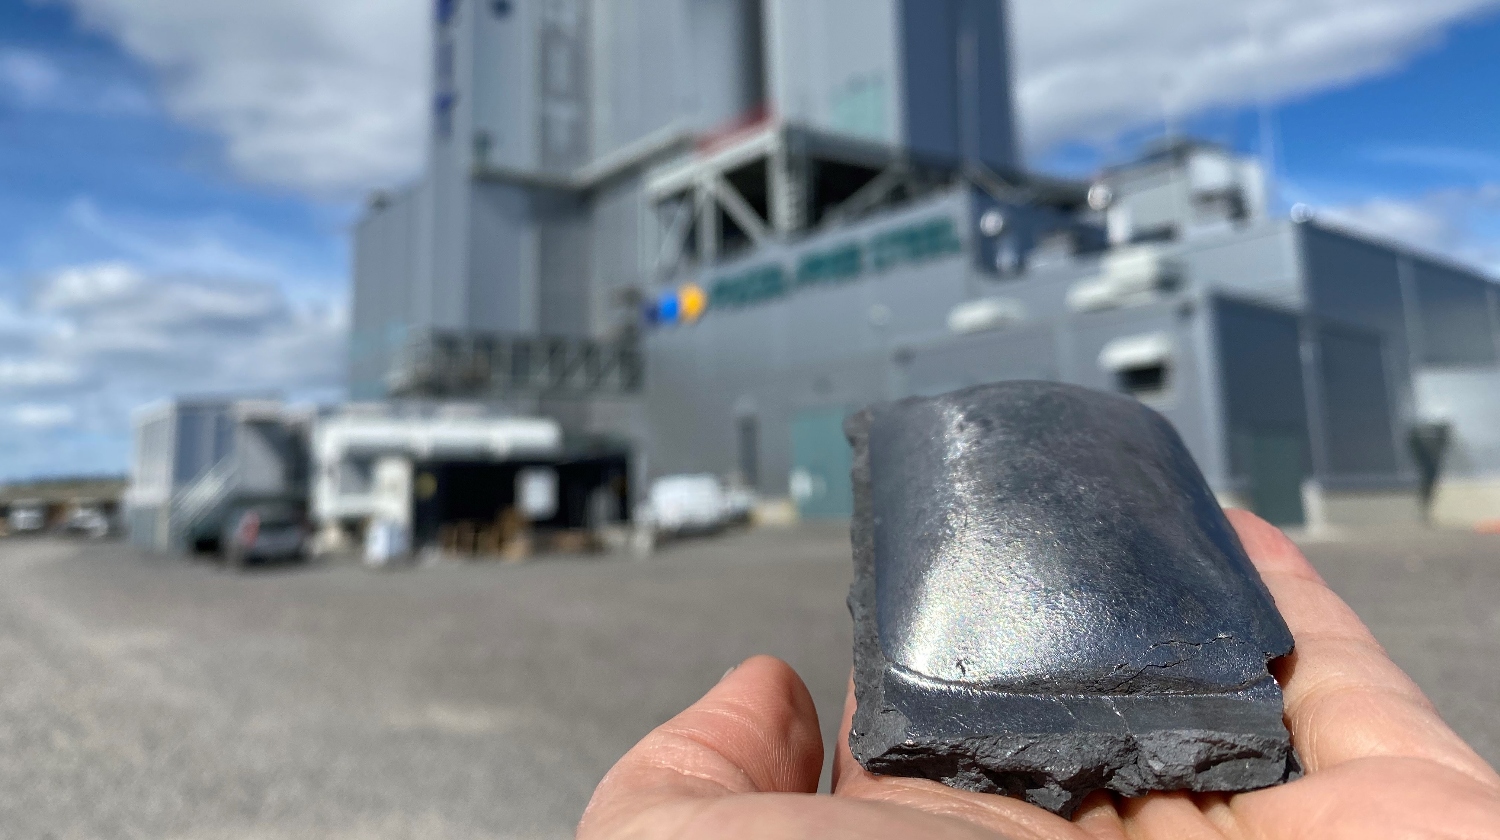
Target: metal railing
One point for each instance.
(202, 498)
(465, 364)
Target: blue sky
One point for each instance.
(177, 177)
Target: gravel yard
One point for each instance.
(157, 697)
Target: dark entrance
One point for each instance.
(589, 489)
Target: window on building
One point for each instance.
(1146, 381)
(1141, 364)
(748, 444)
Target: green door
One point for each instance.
(1275, 465)
(821, 460)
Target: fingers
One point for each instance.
(1345, 699)
(754, 732)
(1374, 798)
(1010, 818)
(1181, 816)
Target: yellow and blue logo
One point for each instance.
(683, 305)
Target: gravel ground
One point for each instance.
(155, 697)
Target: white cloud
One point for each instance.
(34, 416)
(88, 286)
(325, 96)
(46, 82)
(1462, 224)
(1468, 163)
(308, 264)
(1091, 69)
(179, 333)
(37, 373)
(31, 77)
(95, 341)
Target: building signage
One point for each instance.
(753, 286)
(912, 244)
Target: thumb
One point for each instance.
(754, 732)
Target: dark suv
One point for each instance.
(262, 532)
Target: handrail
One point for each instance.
(450, 363)
(204, 494)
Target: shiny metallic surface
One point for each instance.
(1042, 571)
(1034, 536)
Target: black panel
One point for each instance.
(1453, 308)
(1260, 357)
(1353, 282)
(985, 85)
(1356, 403)
(930, 70)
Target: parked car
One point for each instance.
(264, 532)
(27, 518)
(739, 505)
(685, 504)
(89, 522)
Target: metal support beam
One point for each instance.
(442, 364)
(985, 178)
(866, 198)
(669, 255)
(708, 221)
(785, 191)
(740, 210)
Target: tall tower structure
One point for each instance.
(543, 216)
(928, 76)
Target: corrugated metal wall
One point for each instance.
(1469, 399)
(500, 92)
(834, 65)
(564, 293)
(616, 261)
(695, 64)
(1265, 406)
(1358, 284)
(502, 277)
(956, 68)
(821, 347)
(204, 435)
(1425, 316)
(1361, 439)
(385, 261)
(1453, 317)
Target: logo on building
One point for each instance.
(846, 262)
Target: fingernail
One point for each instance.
(727, 673)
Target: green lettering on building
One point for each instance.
(835, 266)
(912, 244)
(753, 286)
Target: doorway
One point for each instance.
(821, 461)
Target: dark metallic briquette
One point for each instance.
(1048, 601)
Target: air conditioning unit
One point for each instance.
(985, 314)
(1127, 277)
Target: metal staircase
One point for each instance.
(196, 505)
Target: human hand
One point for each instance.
(744, 761)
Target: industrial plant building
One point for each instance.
(708, 230)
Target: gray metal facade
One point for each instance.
(840, 178)
(548, 114)
(1290, 363)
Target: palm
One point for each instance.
(1380, 762)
